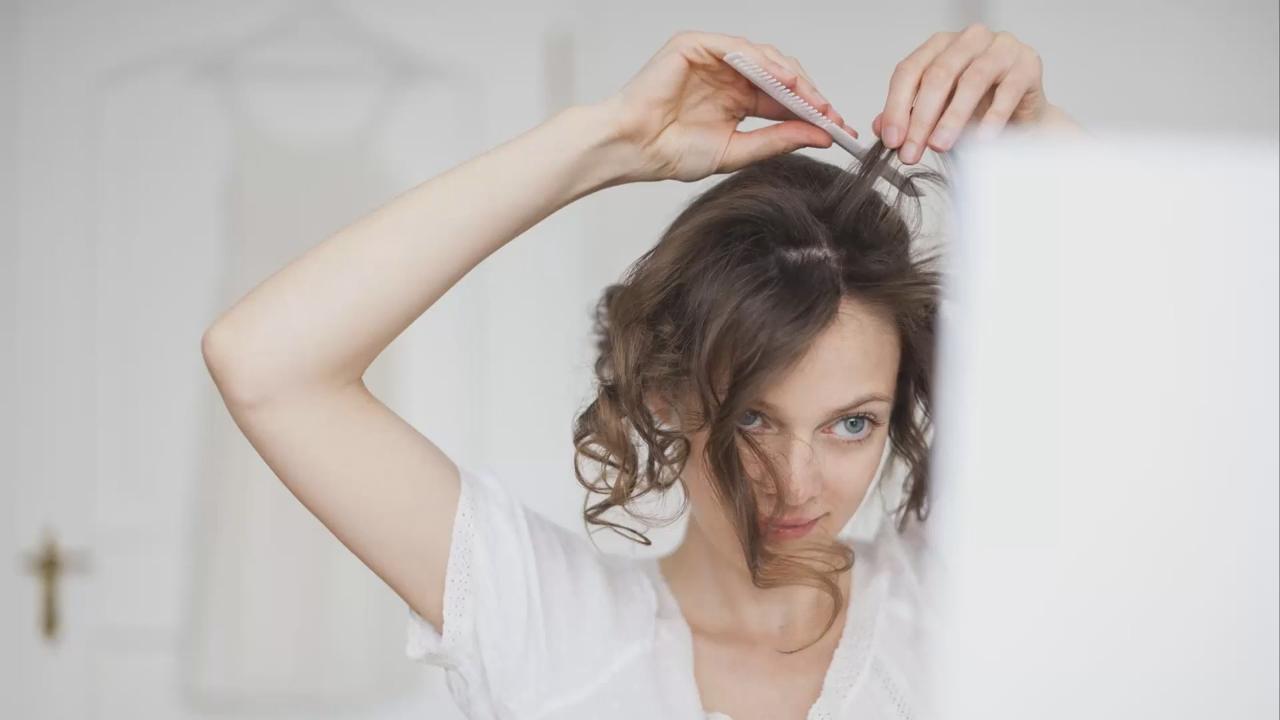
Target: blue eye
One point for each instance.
(861, 425)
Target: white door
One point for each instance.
(153, 555)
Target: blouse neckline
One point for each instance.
(853, 651)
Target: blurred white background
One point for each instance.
(1105, 533)
(159, 159)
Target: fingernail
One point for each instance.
(908, 152)
(942, 138)
(892, 136)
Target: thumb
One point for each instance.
(745, 148)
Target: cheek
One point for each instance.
(701, 497)
(856, 470)
(704, 507)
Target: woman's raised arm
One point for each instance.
(289, 357)
(321, 321)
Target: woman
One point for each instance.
(777, 338)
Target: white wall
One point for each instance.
(9, 540)
(1192, 65)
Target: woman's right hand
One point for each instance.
(679, 115)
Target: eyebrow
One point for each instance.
(855, 403)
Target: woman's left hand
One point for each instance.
(989, 77)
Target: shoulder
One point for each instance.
(534, 611)
(531, 552)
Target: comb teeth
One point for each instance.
(748, 67)
(768, 78)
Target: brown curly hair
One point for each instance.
(734, 292)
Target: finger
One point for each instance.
(902, 87)
(712, 47)
(875, 125)
(829, 110)
(1006, 98)
(806, 87)
(984, 73)
(766, 107)
(763, 105)
(936, 84)
(810, 92)
(752, 146)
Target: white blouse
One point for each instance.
(540, 625)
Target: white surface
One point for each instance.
(1107, 472)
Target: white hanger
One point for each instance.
(282, 45)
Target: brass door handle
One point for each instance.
(48, 564)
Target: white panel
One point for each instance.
(1107, 474)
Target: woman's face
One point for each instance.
(825, 425)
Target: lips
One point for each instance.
(790, 532)
(792, 522)
(795, 523)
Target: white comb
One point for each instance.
(771, 85)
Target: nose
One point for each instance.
(802, 479)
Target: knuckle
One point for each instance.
(684, 38)
(1033, 57)
(981, 69)
(971, 86)
(938, 74)
(1003, 103)
(917, 133)
(904, 78)
(976, 28)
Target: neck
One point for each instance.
(718, 598)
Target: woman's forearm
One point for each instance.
(324, 318)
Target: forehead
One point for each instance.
(856, 354)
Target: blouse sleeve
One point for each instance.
(532, 611)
